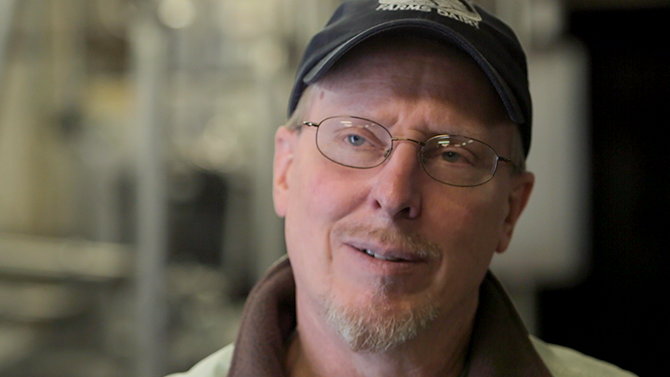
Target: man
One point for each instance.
(399, 174)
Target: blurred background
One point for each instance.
(135, 176)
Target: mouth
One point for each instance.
(388, 247)
(390, 254)
(382, 257)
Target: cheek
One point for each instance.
(319, 196)
(471, 220)
(323, 191)
(306, 231)
(487, 222)
(470, 229)
(468, 247)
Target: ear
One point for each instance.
(285, 141)
(522, 186)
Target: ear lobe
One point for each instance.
(283, 158)
(518, 198)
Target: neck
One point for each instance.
(439, 351)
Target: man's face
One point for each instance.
(440, 238)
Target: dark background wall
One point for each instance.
(618, 312)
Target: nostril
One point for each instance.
(396, 200)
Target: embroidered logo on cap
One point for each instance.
(460, 10)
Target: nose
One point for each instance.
(395, 189)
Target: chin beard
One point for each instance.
(379, 325)
(383, 322)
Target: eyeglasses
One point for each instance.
(362, 144)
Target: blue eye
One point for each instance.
(450, 156)
(355, 140)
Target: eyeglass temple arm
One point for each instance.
(507, 160)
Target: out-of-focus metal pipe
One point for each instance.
(149, 48)
(7, 9)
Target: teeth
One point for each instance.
(390, 259)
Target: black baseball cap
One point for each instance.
(490, 42)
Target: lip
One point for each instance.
(386, 253)
(359, 265)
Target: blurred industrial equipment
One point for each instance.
(135, 150)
